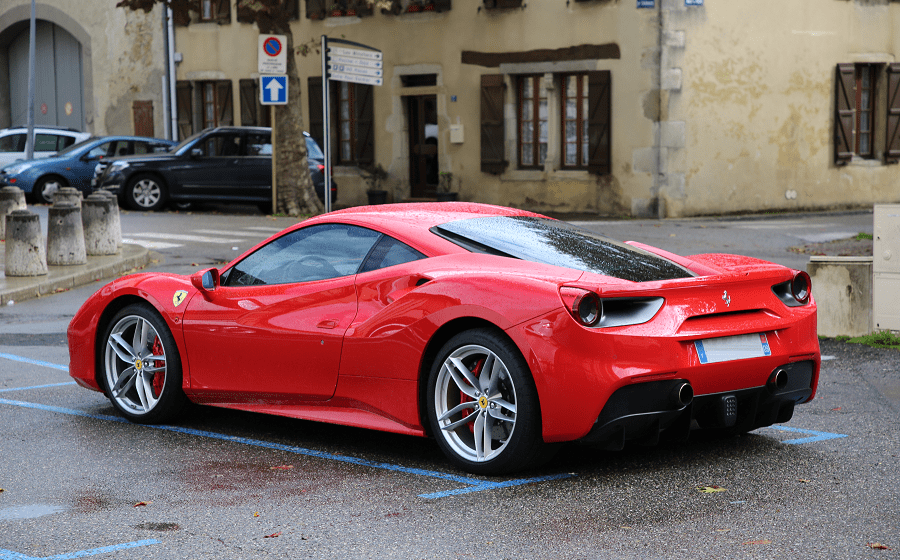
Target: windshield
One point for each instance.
(179, 149)
(77, 146)
(557, 243)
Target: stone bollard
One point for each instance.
(65, 237)
(25, 254)
(114, 210)
(98, 215)
(67, 195)
(11, 198)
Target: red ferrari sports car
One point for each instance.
(496, 331)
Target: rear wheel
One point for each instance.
(141, 367)
(45, 189)
(145, 192)
(482, 404)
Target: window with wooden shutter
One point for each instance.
(892, 136)
(316, 116)
(845, 105)
(493, 141)
(315, 9)
(365, 125)
(253, 113)
(184, 99)
(352, 121)
(502, 4)
(224, 106)
(599, 122)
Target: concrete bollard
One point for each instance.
(25, 254)
(11, 198)
(65, 237)
(114, 209)
(67, 195)
(97, 215)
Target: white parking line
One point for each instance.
(227, 232)
(151, 244)
(189, 238)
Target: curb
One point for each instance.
(62, 278)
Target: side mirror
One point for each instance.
(196, 152)
(206, 280)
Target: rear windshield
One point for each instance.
(557, 243)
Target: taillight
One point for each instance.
(584, 305)
(321, 168)
(801, 286)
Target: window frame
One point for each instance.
(535, 81)
(582, 108)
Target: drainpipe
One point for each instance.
(659, 177)
(170, 70)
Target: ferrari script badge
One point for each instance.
(726, 298)
(179, 297)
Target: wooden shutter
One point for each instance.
(249, 103)
(184, 98)
(500, 4)
(316, 116)
(365, 125)
(493, 139)
(892, 138)
(844, 105)
(224, 107)
(143, 118)
(222, 11)
(292, 7)
(315, 9)
(441, 5)
(599, 121)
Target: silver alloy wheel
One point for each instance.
(49, 188)
(475, 403)
(146, 193)
(135, 365)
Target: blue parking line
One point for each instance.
(10, 555)
(817, 436)
(23, 359)
(37, 387)
(474, 485)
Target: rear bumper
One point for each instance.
(646, 412)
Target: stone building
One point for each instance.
(614, 107)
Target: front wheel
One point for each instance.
(141, 367)
(145, 192)
(482, 404)
(46, 189)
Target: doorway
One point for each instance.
(423, 145)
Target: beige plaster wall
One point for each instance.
(757, 104)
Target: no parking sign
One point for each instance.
(272, 54)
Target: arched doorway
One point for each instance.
(59, 87)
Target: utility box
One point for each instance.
(886, 268)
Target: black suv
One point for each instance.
(224, 164)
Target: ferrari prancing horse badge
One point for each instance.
(179, 297)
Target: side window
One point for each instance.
(64, 142)
(12, 143)
(313, 253)
(390, 252)
(101, 150)
(258, 145)
(221, 145)
(45, 143)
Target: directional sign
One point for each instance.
(273, 90)
(355, 65)
(272, 54)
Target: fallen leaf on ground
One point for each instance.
(803, 480)
(142, 504)
(710, 489)
(764, 541)
(255, 514)
(273, 535)
(878, 546)
(282, 468)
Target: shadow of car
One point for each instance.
(223, 164)
(74, 166)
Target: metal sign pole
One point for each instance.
(274, 175)
(326, 113)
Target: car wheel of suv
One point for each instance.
(145, 192)
(46, 188)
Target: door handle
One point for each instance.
(327, 324)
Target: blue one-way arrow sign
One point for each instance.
(273, 90)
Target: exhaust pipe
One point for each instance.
(683, 395)
(778, 380)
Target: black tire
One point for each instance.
(146, 192)
(140, 366)
(502, 405)
(46, 187)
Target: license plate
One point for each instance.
(730, 348)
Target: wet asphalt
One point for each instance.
(79, 482)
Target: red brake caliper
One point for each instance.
(159, 377)
(476, 371)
